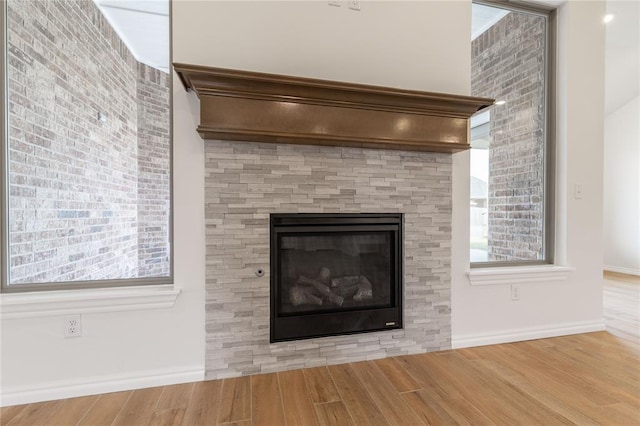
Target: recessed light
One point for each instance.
(500, 102)
(608, 18)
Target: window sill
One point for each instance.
(64, 302)
(519, 274)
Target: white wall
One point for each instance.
(416, 45)
(122, 350)
(622, 189)
(486, 314)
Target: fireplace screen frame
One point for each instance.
(305, 325)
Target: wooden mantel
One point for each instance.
(250, 106)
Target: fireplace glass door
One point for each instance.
(335, 271)
(334, 274)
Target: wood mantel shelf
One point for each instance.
(249, 106)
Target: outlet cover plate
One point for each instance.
(72, 326)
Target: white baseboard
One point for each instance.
(518, 335)
(621, 270)
(97, 385)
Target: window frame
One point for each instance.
(549, 130)
(152, 283)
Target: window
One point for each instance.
(86, 153)
(510, 184)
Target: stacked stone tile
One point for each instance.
(245, 182)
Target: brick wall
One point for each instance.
(508, 64)
(153, 171)
(245, 182)
(73, 178)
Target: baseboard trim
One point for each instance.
(518, 335)
(97, 385)
(621, 270)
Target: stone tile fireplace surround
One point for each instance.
(281, 144)
(245, 182)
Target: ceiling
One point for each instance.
(484, 17)
(144, 26)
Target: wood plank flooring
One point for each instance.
(583, 379)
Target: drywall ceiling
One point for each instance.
(484, 17)
(143, 25)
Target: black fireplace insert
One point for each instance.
(335, 274)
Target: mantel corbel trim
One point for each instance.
(249, 106)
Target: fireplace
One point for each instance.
(307, 145)
(335, 274)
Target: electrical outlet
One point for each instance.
(515, 292)
(73, 326)
(353, 4)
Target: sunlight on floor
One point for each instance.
(621, 305)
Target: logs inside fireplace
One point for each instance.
(335, 274)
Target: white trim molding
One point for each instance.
(64, 302)
(530, 333)
(519, 274)
(98, 385)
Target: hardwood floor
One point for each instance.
(582, 379)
